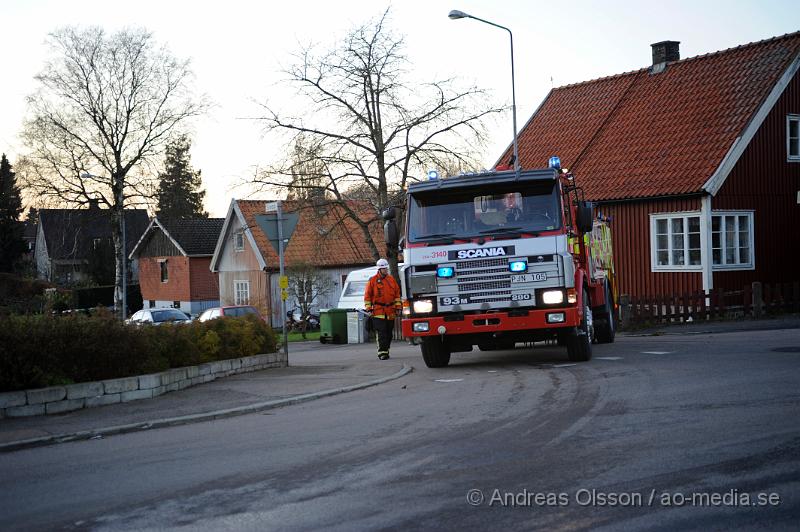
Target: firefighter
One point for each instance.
(382, 302)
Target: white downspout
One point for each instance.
(705, 243)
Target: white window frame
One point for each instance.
(163, 268)
(737, 265)
(238, 241)
(241, 292)
(669, 216)
(792, 142)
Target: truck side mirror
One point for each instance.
(585, 219)
(390, 235)
(389, 213)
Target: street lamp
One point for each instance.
(454, 15)
(124, 310)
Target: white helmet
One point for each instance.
(382, 263)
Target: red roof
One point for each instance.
(642, 135)
(322, 237)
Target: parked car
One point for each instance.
(158, 316)
(231, 311)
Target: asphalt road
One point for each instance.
(665, 433)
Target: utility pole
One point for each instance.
(283, 283)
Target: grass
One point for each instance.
(298, 337)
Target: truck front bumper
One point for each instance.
(491, 322)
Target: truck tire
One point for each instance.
(435, 352)
(606, 326)
(579, 345)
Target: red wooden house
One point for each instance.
(174, 259)
(697, 160)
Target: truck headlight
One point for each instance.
(422, 306)
(553, 297)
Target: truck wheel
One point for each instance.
(579, 345)
(435, 352)
(606, 327)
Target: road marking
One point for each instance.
(608, 358)
(563, 365)
(449, 380)
(657, 352)
(492, 371)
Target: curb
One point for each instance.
(194, 418)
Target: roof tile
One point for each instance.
(643, 135)
(323, 236)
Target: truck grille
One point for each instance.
(486, 280)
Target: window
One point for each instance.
(152, 304)
(675, 241)
(96, 242)
(238, 241)
(241, 292)
(732, 240)
(793, 137)
(164, 271)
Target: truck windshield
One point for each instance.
(469, 213)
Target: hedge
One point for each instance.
(38, 350)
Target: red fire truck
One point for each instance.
(496, 258)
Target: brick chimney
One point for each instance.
(664, 52)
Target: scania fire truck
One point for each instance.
(501, 257)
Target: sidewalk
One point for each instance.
(315, 371)
(787, 321)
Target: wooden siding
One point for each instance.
(231, 260)
(329, 300)
(159, 245)
(203, 283)
(630, 231)
(177, 286)
(763, 181)
(259, 289)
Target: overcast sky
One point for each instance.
(238, 47)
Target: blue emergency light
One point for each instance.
(554, 163)
(433, 174)
(445, 271)
(518, 266)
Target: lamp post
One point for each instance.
(454, 15)
(124, 310)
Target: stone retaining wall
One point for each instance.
(59, 399)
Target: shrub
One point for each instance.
(41, 350)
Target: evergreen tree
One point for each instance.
(12, 245)
(179, 194)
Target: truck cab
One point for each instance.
(496, 258)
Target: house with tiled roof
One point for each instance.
(247, 261)
(696, 160)
(69, 243)
(174, 263)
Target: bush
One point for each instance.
(40, 350)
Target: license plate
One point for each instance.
(528, 277)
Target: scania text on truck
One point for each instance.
(496, 258)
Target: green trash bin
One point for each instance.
(333, 326)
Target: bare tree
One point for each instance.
(105, 108)
(371, 125)
(307, 285)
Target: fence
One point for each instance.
(754, 300)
